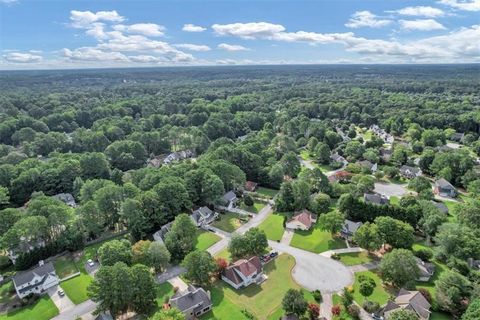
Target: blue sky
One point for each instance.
(82, 34)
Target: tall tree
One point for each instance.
(180, 240)
(199, 266)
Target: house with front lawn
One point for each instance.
(445, 188)
(409, 300)
(230, 199)
(376, 198)
(427, 270)
(192, 302)
(35, 281)
(409, 172)
(243, 273)
(301, 220)
(349, 228)
(203, 216)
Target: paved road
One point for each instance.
(170, 273)
(391, 189)
(79, 310)
(326, 306)
(313, 271)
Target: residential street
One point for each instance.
(391, 189)
(79, 310)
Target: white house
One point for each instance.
(243, 272)
(203, 216)
(35, 281)
(302, 220)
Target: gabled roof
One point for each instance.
(22, 278)
(196, 298)
(426, 268)
(202, 213)
(375, 198)
(229, 196)
(250, 185)
(406, 169)
(244, 267)
(304, 217)
(351, 226)
(444, 184)
(415, 301)
(365, 164)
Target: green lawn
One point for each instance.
(379, 294)
(305, 154)
(228, 222)
(205, 239)
(354, 258)
(273, 227)
(440, 316)
(316, 240)
(257, 206)
(261, 300)
(90, 252)
(65, 266)
(337, 300)
(394, 200)
(7, 292)
(430, 285)
(266, 192)
(451, 207)
(76, 288)
(164, 292)
(43, 309)
(225, 254)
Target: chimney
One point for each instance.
(208, 294)
(41, 263)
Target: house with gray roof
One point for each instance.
(26, 245)
(445, 188)
(35, 281)
(66, 198)
(427, 270)
(159, 236)
(440, 206)
(458, 137)
(230, 199)
(192, 302)
(409, 300)
(365, 164)
(376, 198)
(410, 172)
(349, 228)
(203, 216)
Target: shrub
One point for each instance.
(313, 310)
(317, 295)
(248, 200)
(371, 306)
(354, 311)
(336, 309)
(335, 256)
(424, 254)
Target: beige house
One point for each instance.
(302, 220)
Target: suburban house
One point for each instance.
(440, 206)
(365, 164)
(250, 186)
(159, 236)
(35, 281)
(349, 228)
(230, 199)
(443, 148)
(338, 158)
(376, 198)
(410, 172)
(427, 270)
(457, 137)
(340, 176)
(386, 154)
(25, 246)
(203, 216)
(177, 156)
(66, 198)
(445, 188)
(409, 300)
(386, 137)
(301, 220)
(192, 302)
(244, 272)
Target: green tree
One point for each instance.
(285, 199)
(137, 223)
(126, 154)
(158, 256)
(172, 196)
(468, 213)
(397, 233)
(419, 184)
(115, 251)
(143, 290)
(451, 291)
(320, 203)
(140, 252)
(275, 176)
(473, 311)
(332, 221)
(294, 302)
(169, 314)
(322, 152)
(403, 314)
(368, 237)
(290, 164)
(180, 240)
(399, 267)
(301, 192)
(367, 285)
(94, 166)
(199, 266)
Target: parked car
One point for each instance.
(273, 254)
(376, 317)
(90, 263)
(61, 293)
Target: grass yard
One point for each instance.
(266, 192)
(228, 222)
(337, 300)
(305, 155)
(65, 266)
(257, 206)
(164, 292)
(205, 239)
(316, 240)
(430, 285)
(394, 200)
(261, 300)
(273, 227)
(225, 254)
(7, 292)
(355, 258)
(379, 294)
(43, 309)
(440, 316)
(76, 288)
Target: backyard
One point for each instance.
(273, 226)
(257, 206)
(263, 301)
(65, 266)
(7, 292)
(228, 222)
(355, 258)
(42, 309)
(266, 192)
(76, 287)
(164, 292)
(316, 240)
(379, 295)
(205, 239)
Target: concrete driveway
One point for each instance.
(313, 271)
(391, 189)
(170, 273)
(83, 310)
(63, 303)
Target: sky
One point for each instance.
(61, 34)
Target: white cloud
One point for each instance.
(366, 19)
(421, 24)
(97, 31)
(192, 47)
(420, 11)
(93, 54)
(8, 1)
(145, 59)
(147, 29)
(231, 47)
(20, 57)
(467, 5)
(84, 19)
(193, 28)
(251, 30)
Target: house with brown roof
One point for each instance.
(408, 300)
(250, 186)
(340, 176)
(244, 272)
(302, 220)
